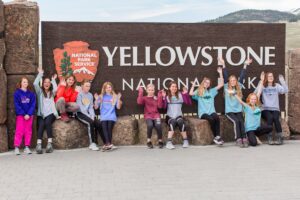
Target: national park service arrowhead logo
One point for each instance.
(76, 59)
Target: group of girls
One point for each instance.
(66, 100)
(63, 101)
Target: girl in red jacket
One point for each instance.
(151, 104)
(66, 97)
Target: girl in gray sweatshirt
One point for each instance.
(269, 92)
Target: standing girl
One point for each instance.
(66, 97)
(206, 105)
(233, 109)
(86, 114)
(47, 113)
(24, 101)
(108, 101)
(269, 90)
(252, 113)
(173, 101)
(151, 104)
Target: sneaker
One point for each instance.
(160, 145)
(39, 149)
(93, 147)
(185, 144)
(270, 139)
(245, 142)
(49, 148)
(113, 147)
(17, 151)
(27, 150)
(279, 140)
(149, 145)
(239, 143)
(170, 145)
(218, 140)
(64, 117)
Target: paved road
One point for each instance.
(200, 172)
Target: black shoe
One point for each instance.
(160, 145)
(150, 145)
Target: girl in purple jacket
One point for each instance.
(24, 100)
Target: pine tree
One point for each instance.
(65, 65)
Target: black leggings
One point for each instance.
(107, 127)
(265, 129)
(214, 122)
(45, 124)
(151, 123)
(238, 124)
(177, 122)
(93, 126)
(272, 117)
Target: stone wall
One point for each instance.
(21, 58)
(294, 90)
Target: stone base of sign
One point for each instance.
(294, 90)
(3, 139)
(125, 131)
(3, 95)
(69, 135)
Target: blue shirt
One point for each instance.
(107, 109)
(231, 103)
(24, 102)
(206, 102)
(252, 118)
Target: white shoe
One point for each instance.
(170, 145)
(94, 147)
(17, 151)
(27, 150)
(185, 144)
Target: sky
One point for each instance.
(151, 11)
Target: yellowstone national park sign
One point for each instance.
(131, 55)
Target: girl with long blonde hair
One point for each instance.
(252, 112)
(205, 97)
(108, 101)
(233, 109)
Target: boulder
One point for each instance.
(294, 90)
(69, 135)
(1, 19)
(226, 129)
(12, 81)
(200, 131)
(3, 139)
(125, 131)
(21, 37)
(3, 95)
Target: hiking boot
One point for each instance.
(239, 143)
(160, 144)
(245, 143)
(49, 148)
(149, 145)
(39, 149)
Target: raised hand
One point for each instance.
(184, 90)
(78, 88)
(40, 70)
(63, 82)
(281, 78)
(262, 76)
(96, 96)
(219, 70)
(248, 61)
(54, 76)
(141, 90)
(221, 61)
(119, 95)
